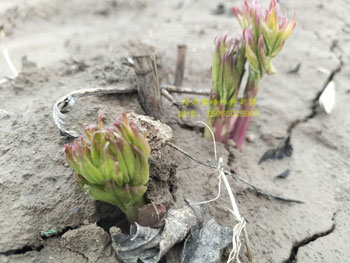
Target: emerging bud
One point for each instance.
(276, 30)
(227, 72)
(263, 39)
(250, 50)
(227, 67)
(269, 32)
(114, 168)
(244, 15)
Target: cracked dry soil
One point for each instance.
(37, 192)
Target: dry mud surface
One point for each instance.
(71, 44)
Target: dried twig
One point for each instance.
(170, 98)
(235, 176)
(171, 88)
(69, 100)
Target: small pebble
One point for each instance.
(283, 175)
(250, 137)
(295, 68)
(231, 143)
(5, 114)
(220, 9)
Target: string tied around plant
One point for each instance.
(240, 226)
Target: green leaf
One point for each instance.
(128, 156)
(98, 192)
(90, 172)
(252, 59)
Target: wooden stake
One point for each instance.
(148, 85)
(180, 65)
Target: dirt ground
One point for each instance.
(62, 46)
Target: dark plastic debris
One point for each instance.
(149, 245)
(285, 149)
(205, 244)
(283, 175)
(220, 9)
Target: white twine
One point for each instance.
(236, 242)
(9, 62)
(237, 230)
(5, 52)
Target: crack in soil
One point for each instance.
(22, 250)
(79, 253)
(285, 149)
(294, 251)
(38, 248)
(230, 157)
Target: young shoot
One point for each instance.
(113, 167)
(264, 35)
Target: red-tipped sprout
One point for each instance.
(114, 168)
(262, 39)
(227, 71)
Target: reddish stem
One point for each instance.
(240, 129)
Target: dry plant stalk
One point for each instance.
(148, 85)
(69, 100)
(180, 65)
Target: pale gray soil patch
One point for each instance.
(37, 192)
